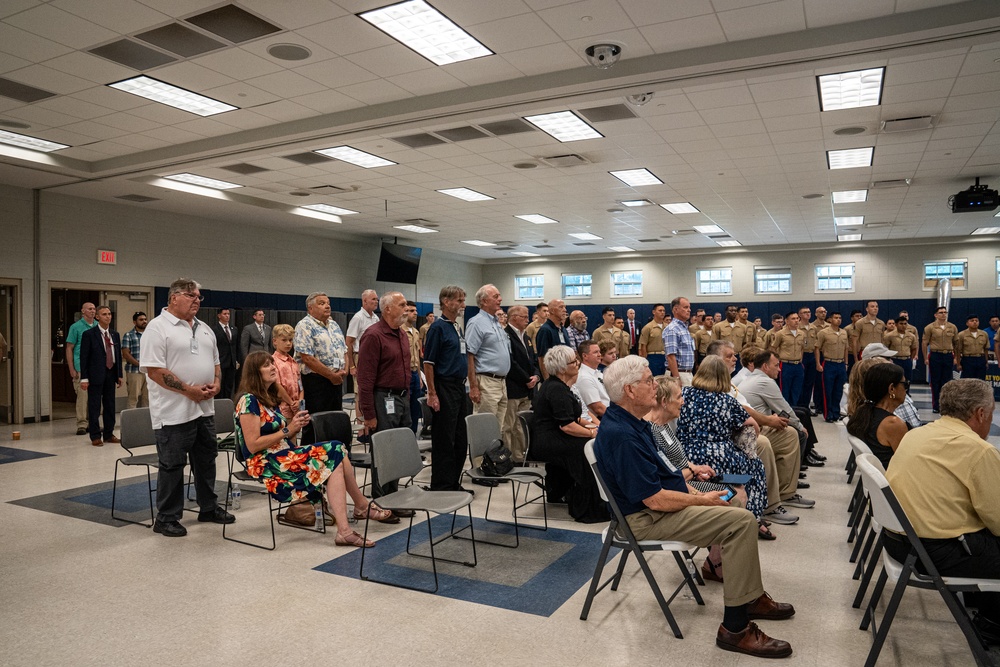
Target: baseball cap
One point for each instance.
(877, 350)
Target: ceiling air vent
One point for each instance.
(876, 225)
(328, 190)
(610, 112)
(418, 140)
(584, 243)
(571, 160)
(244, 168)
(682, 232)
(308, 158)
(649, 240)
(461, 133)
(22, 92)
(908, 124)
(141, 199)
(895, 183)
(544, 245)
(504, 127)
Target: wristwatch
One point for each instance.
(285, 430)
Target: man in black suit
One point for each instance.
(632, 330)
(255, 336)
(229, 350)
(100, 375)
(521, 379)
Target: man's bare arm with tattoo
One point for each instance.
(168, 380)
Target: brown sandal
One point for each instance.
(353, 539)
(376, 513)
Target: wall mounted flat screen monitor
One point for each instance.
(398, 264)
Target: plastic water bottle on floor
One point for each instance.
(319, 515)
(237, 494)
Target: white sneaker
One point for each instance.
(780, 515)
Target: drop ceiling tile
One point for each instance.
(386, 61)
(73, 107)
(121, 16)
(797, 106)
(374, 92)
(687, 134)
(141, 142)
(285, 110)
(545, 59)
(712, 99)
(568, 22)
(730, 114)
(285, 84)
(10, 63)
(336, 72)
(192, 76)
(129, 122)
(327, 101)
(489, 69)
(241, 95)
(426, 81)
(515, 33)
(95, 129)
(683, 34)
(89, 67)
(666, 103)
(822, 13)
(163, 114)
(34, 114)
(60, 26)
(109, 97)
(760, 20)
(319, 53)
(346, 35)
(206, 127)
(14, 6)
(297, 14)
(923, 70)
(468, 14)
(971, 102)
(173, 135)
(676, 121)
(237, 63)
(27, 45)
(915, 92)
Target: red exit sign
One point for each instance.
(107, 257)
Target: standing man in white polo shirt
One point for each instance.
(362, 319)
(179, 355)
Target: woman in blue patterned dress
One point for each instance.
(709, 419)
(295, 474)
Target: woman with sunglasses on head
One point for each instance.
(873, 421)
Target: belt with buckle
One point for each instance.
(492, 375)
(835, 361)
(394, 392)
(791, 361)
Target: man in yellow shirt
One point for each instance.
(944, 475)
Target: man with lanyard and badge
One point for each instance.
(551, 333)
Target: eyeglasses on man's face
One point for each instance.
(192, 295)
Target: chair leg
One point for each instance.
(270, 516)
(621, 569)
(869, 571)
(874, 600)
(864, 554)
(688, 569)
(664, 607)
(890, 613)
(149, 489)
(598, 571)
(979, 651)
(858, 543)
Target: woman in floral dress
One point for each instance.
(295, 474)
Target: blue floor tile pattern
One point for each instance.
(553, 565)
(12, 455)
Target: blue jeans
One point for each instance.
(176, 443)
(834, 379)
(791, 382)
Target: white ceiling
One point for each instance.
(734, 126)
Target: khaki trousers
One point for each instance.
(492, 397)
(785, 445)
(733, 528)
(138, 392)
(513, 435)
(766, 456)
(82, 420)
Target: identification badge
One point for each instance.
(461, 346)
(663, 457)
(390, 405)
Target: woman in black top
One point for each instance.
(873, 422)
(559, 436)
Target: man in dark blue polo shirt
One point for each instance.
(551, 333)
(659, 505)
(446, 367)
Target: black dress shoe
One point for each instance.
(802, 475)
(169, 528)
(803, 467)
(803, 485)
(485, 482)
(217, 515)
(81, 431)
(816, 455)
(814, 463)
(406, 514)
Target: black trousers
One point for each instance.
(228, 382)
(101, 394)
(568, 475)
(449, 438)
(806, 418)
(952, 560)
(320, 395)
(400, 418)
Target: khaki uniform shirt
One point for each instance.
(694, 328)
(867, 332)
(415, 345)
(832, 344)
(532, 330)
(702, 340)
(750, 337)
(905, 344)
(810, 331)
(761, 337)
(423, 334)
(940, 339)
(735, 333)
(769, 337)
(616, 335)
(788, 346)
(969, 345)
(652, 337)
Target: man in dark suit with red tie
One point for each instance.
(100, 375)
(229, 351)
(632, 329)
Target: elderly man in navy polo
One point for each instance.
(659, 505)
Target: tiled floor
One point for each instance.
(77, 591)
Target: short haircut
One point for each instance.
(712, 375)
(540, 305)
(107, 308)
(607, 345)
(837, 313)
(429, 313)
(715, 347)
(748, 355)
(870, 302)
(804, 308)
(939, 309)
(516, 309)
(136, 315)
(659, 305)
(667, 386)
(960, 398)
(282, 331)
(387, 300)
(481, 293)
(972, 317)
(411, 304)
(606, 310)
(901, 318)
(794, 312)
(258, 310)
(855, 312)
(584, 347)
(312, 298)
(558, 359)
(368, 292)
(181, 285)
(625, 371)
(450, 292)
(777, 316)
(763, 357)
(676, 301)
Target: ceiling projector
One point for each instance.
(976, 198)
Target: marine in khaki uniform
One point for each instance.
(972, 348)
(608, 331)
(651, 341)
(904, 344)
(830, 356)
(777, 324)
(541, 315)
(423, 329)
(787, 344)
(812, 384)
(939, 351)
(868, 329)
(702, 340)
(750, 336)
(731, 329)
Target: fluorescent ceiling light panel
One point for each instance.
(481, 244)
(522, 253)
(850, 158)
(709, 229)
(179, 98)
(564, 126)
(849, 196)
(427, 31)
(354, 156)
(986, 230)
(195, 179)
(850, 90)
(728, 244)
(319, 215)
(632, 203)
(621, 248)
(682, 207)
(31, 143)
(416, 229)
(850, 221)
(466, 194)
(636, 177)
(537, 219)
(586, 236)
(849, 237)
(332, 210)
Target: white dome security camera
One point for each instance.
(639, 99)
(603, 56)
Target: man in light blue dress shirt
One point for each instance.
(488, 350)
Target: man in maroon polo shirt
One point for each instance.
(384, 376)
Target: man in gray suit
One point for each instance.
(256, 336)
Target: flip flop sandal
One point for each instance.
(352, 540)
(764, 533)
(376, 513)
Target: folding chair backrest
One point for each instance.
(332, 425)
(527, 420)
(225, 416)
(483, 428)
(137, 429)
(858, 445)
(395, 454)
(875, 483)
(588, 450)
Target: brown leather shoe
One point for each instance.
(765, 607)
(753, 642)
(97, 443)
(113, 439)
